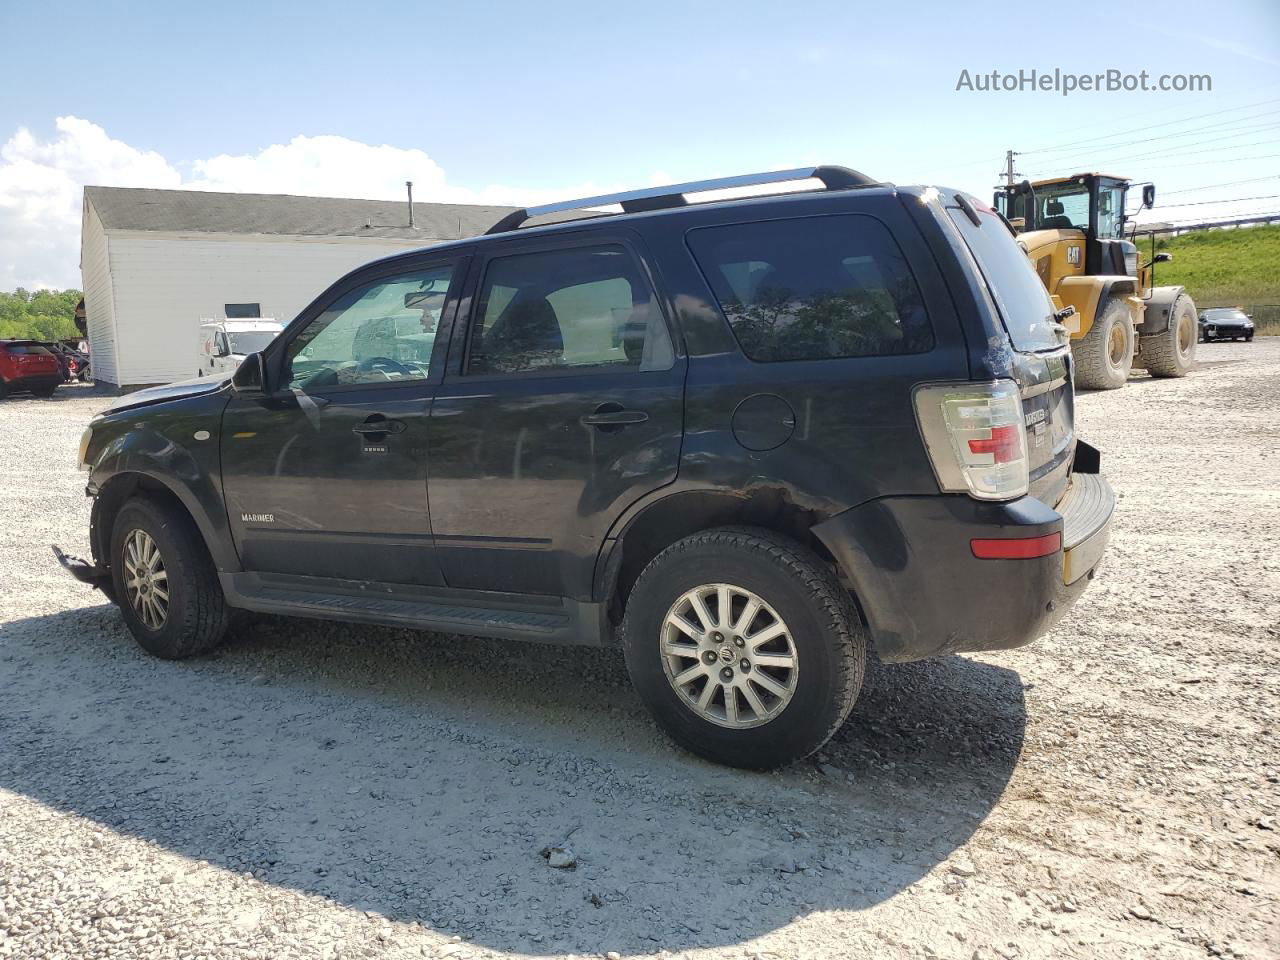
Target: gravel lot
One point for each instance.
(325, 791)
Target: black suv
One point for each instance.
(743, 438)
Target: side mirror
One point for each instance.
(1149, 196)
(250, 377)
(1162, 258)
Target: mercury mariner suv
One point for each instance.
(745, 439)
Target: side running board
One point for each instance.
(438, 609)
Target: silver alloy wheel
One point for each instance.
(729, 656)
(145, 579)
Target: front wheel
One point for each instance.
(744, 646)
(1104, 355)
(165, 582)
(1171, 353)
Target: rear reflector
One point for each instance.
(1023, 548)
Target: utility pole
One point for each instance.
(1008, 168)
(409, 186)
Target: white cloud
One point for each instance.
(40, 190)
(41, 186)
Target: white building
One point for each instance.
(155, 262)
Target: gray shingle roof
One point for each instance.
(199, 211)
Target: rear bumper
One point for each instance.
(40, 382)
(924, 593)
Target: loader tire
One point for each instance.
(1104, 355)
(1171, 353)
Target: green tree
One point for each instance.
(42, 315)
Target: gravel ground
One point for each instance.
(324, 791)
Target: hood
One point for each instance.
(169, 391)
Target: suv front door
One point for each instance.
(326, 476)
(563, 405)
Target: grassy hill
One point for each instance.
(1226, 268)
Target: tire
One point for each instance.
(44, 392)
(4, 389)
(196, 614)
(1249, 338)
(1172, 353)
(1103, 363)
(821, 635)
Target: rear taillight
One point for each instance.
(975, 436)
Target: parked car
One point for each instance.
(744, 439)
(224, 344)
(75, 365)
(1225, 323)
(27, 365)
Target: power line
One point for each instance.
(1105, 161)
(1211, 186)
(1169, 136)
(1205, 203)
(1216, 138)
(1153, 126)
(1201, 163)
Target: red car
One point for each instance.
(26, 365)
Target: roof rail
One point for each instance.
(660, 198)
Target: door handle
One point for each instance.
(378, 424)
(612, 415)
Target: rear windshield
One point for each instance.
(27, 348)
(1015, 287)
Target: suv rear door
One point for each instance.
(562, 405)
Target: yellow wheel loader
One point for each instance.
(1073, 230)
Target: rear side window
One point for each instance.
(573, 308)
(814, 288)
(1015, 286)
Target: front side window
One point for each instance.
(573, 308)
(814, 288)
(378, 333)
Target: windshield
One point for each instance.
(250, 341)
(1063, 206)
(1223, 315)
(1020, 297)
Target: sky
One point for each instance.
(504, 102)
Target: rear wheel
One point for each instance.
(1104, 355)
(1170, 354)
(44, 391)
(164, 581)
(744, 646)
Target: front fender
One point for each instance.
(1088, 294)
(174, 446)
(1158, 309)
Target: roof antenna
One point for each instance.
(409, 185)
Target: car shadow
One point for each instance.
(421, 776)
